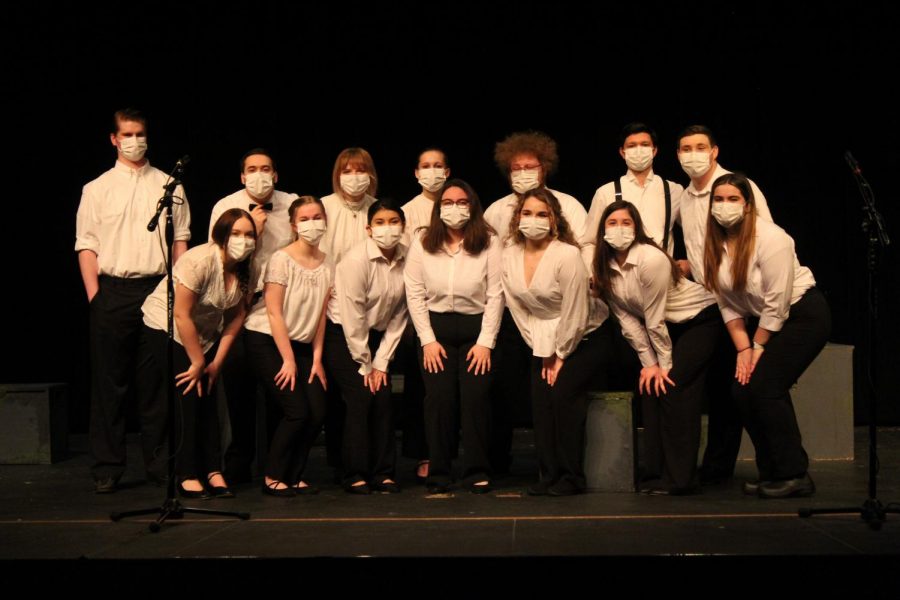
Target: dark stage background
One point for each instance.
(786, 88)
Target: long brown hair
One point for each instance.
(604, 254)
(563, 230)
(476, 233)
(221, 231)
(716, 235)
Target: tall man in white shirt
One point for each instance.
(269, 209)
(698, 154)
(121, 263)
(527, 159)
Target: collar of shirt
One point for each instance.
(633, 178)
(126, 170)
(631, 259)
(373, 252)
(720, 170)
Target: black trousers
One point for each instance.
(454, 397)
(197, 442)
(302, 409)
(560, 411)
(725, 426)
(122, 366)
(672, 420)
(370, 446)
(413, 406)
(765, 402)
(512, 358)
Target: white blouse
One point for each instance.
(369, 294)
(644, 298)
(200, 270)
(304, 297)
(418, 215)
(775, 280)
(500, 213)
(556, 310)
(457, 282)
(346, 225)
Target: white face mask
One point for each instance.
(355, 184)
(240, 247)
(432, 179)
(695, 164)
(387, 236)
(525, 180)
(639, 158)
(619, 238)
(259, 184)
(728, 214)
(133, 147)
(311, 231)
(455, 216)
(534, 228)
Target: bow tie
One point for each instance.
(266, 206)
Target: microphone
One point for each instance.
(851, 162)
(182, 162)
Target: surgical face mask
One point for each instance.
(728, 214)
(619, 238)
(534, 228)
(355, 184)
(240, 247)
(259, 184)
(525, 180)
(387, 236)
(133, 147)
(432, 179)
(455, 216)
(639, 158)
(695, 164)
(311, 231)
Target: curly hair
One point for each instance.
(562, 230)
(527, 142)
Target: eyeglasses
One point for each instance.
(525, 167)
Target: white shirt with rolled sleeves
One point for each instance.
(643, 298)
(555, 311)
(369, 293)
(775, 280)
(457, 282)
(346, 225)
(650, 201)
(200, 270)
(277, 232)
(418, 215)
(112, 221)
(694, 213)
(500, 214)
(304, 297)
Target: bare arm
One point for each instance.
(90, 272)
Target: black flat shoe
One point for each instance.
(751, 488)
(484, 488)
(306, 490)
(272, 489)
(201, 495)
(437, 488)
(386, 487)
(563, 487)
(790, 488)
(222, 491)
(361, 490)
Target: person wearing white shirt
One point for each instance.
(526, 159)
(432, 170)
(752, 268)
(455, 300)
(698, 154)
(269, 209)
(355, 183)
(673, 325)
(547, 291)
(285, 334)
(121, 263)
(366, 318)
(212, 285)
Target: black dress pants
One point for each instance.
(119, 360)
(303, 408)
(765, 402)
(512, 358)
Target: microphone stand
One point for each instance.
(872, 511)
(171, 508)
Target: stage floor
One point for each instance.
(52, 512)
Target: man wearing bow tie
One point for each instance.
(269, 209)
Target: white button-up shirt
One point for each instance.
(277, 232)
(369, 293)
(346, 225)
(644, 298)
(112, 221)
(500, 214)
(775, 280)
(555, 311)
(458, 282)
(694, 213)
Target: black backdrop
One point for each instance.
(787, 89)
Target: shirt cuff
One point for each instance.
(648, 358)
(380, 364)
(729, 315)
(771, 323)
(365, 369)
(427, 337)
(486, 340)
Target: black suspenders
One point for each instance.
(665, 245)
